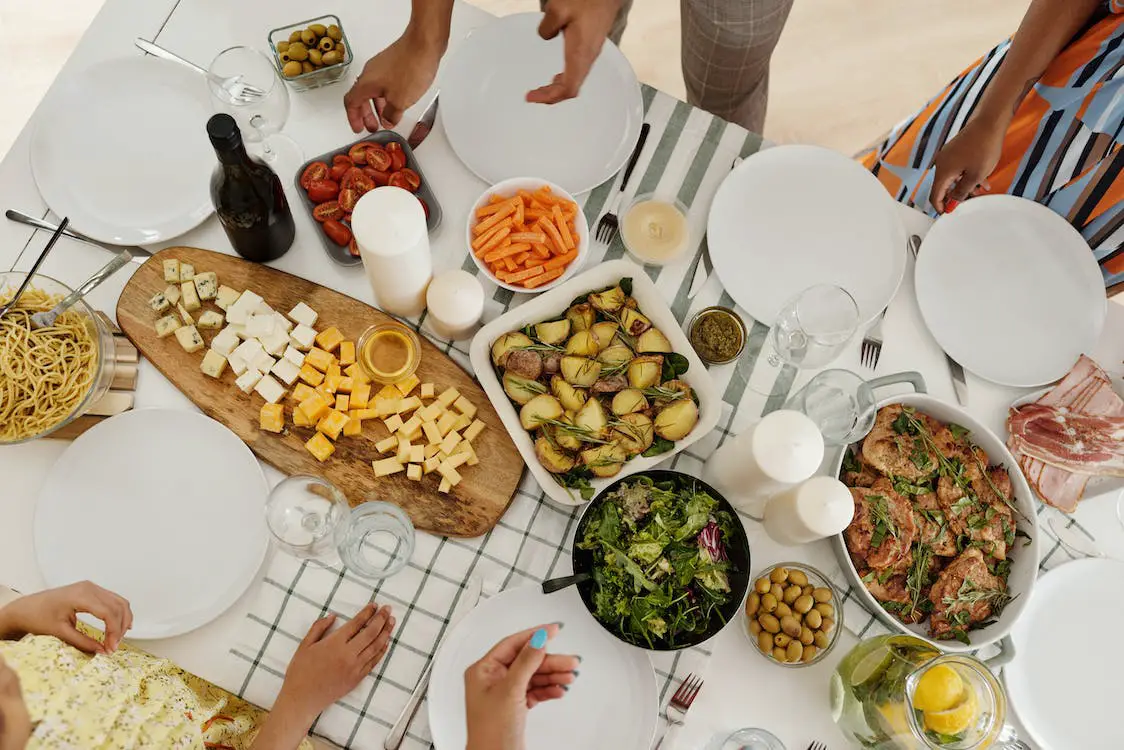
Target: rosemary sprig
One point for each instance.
(883, 522)
(918, 575)
(669, 394)
(539, 347)
(584, 434)
(969, 593)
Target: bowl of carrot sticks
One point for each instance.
(528, 235)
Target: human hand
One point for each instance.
(394, 80)
(584, 24)
(964, 164)
(55, 612)
(512, 678)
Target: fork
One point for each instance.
(608, 226)
(817, 746)
(680, 702)
(240, 93)
(872, 344)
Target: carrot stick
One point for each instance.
(553, 235)
(515, 278)
(562, 260)
(534, 262)
(506, 252)
(544, 277)
(563, 229)
(509, 264)
(540, 249)
(497, 240)
(518, 209)
(496, 199)
(487, 237)
(531, 237)
(521, 258)
(488, 210)
(506, 210)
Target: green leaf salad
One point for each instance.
(660, 568)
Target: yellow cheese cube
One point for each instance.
(329, 339)
(334, 369)
(406, 385)
(386, 467)
(445, 424)
(431, 413)
(456, 460)
(333, 382)
(346, 385)
(449, 472)
(473, 459)
(325, 393)
(417, 454)
(387, 445)
(409, 404)
(414, 471)
(445, 486)
(393, 423)
(448, 397)
(474, 429)
(432, 450)
(310, 375)
(272, 417)
(300, 419)
(388, 391)
(413, 435)
(405, 451)
(465, 407)
(427, 390)
(431, 464)
(301, 392)
(360, 394)
(386, 406)
(354, 426)
(432, 434)
(413, 423)
(315, 406)
(450, 442)
(463, 421)
(332, 424)
(320, 447)
(364, 413)
(347, 353)
(319, 359)
(342, 403)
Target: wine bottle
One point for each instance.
(248, 197)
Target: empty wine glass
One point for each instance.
(260, 117)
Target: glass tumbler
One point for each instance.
(840, 403)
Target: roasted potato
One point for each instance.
(629, 401)
(570, 397)
(634, 323)
(583, 344)
(609, 300)
(564, 438)
(634, 433)
(677, 419)
(616, 354)
(644, 372)
(604, 460)
(581, 317)
(672, 386)
(652, 340)
(538, 411)
(502, 346)
(592, 419)
(553, 331)
(604, 331)
(553, 459)
(520, 389)
(580, 371)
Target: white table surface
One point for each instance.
(742, 689)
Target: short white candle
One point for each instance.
(455, 300)
(815, 509)
(393, 239)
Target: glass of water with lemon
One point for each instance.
(898, 691)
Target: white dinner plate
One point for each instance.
(1010, 290)
(791, 217)
(613, 703)
(1067, 698)
(122, 150)
(577, 144)
(164, 507)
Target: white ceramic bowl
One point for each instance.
(509, 188)
(553, 305)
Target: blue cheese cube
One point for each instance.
(210, 319)
(190, 296)
(225, 342)
(187, 272)
(159, 303)
(302, 337)
(207, 285)
(167, 325)
(303, 315)
(260, 326)
(294, 355)
(172, 294)
(225, 297)
(286, 371)
(172, 271)
(189, 338)
(248, 380)
(185, 316)
(213, 364)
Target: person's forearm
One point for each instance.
(430, 21)
(1045, 30)
(9, 630)
(284, 728)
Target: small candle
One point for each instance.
(393, 240)
(455, 300)
(784, 448)
(815, 509)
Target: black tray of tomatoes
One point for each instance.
(332, 183)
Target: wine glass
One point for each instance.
(231, 77)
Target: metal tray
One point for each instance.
(340, 254)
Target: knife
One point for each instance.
(468, 600)
(955, 369)
(140, 255)
(425, 124)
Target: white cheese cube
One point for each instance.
(225, 342)
(302, 337)
(207, 285)
(260, 326)
(237, 314)
(190, 296)
(304, 315)
(187, 272)
(172, 271)
(282, 322)
(213, 364)
(189, 338)
(225, 297)
(263, 308)
(159, 303)
(167, 325)
(237, 363)
(237, 330)
(270, 389)
(262, 362)
(249, 301)
(294, 355)
(185, 316)
(172, 294)
(247, 380)
(286, 371)
(210, 319)
(275, 343)
(249, 350)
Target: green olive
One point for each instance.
(326, 45)
(820, 639)
(341, 49)
(827, 624)
(318, 29)
(307, 67)
(782, 640)
(765, 642)
(314, 56)
(809, 589)
(782, 610)
(292, 69)
(755, 628)
(822, 595)
(335, 32)
(795, 651)
(798, 577)
(806, 635)
(282, 46)
(803, 604)
(308, 37)
(284, 58)
(779, 575)
(295, 36)
(762, 585)
(813, 619)
(298, 51)
(770, 624)
(768, 603)
(752, 603)
(331, 58)
(791, 593)
(809, 653)
(826, 610)
(790, 626)
(780, 655)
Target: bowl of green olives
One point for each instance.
(792, 614)
(312, 53)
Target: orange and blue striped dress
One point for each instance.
(1063, 147)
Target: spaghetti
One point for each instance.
(46, 373)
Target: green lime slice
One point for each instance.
(871, 667)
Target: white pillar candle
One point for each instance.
(784, 448)
(455, 300)
(815, 509)
(393, 239)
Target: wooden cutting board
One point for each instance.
(472, 508)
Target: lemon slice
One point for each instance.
(956, 719)
(871, 666)
(939, 689)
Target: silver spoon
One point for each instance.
(38, 262)
(47, 319)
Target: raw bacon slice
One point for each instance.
(1081, 443)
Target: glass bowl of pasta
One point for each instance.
(50, 376)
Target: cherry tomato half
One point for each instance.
(413, 179)
(323, 190)
(397, 156)
(381, 178)
(401, 180)
(425, 207)
(339, 169)
(358, 153)
(317, 170)
(328, 210)
(343, 159)
(337, 232)
(349, 177)
(353, 248)
(348, 198)
(362, 183)
(378, 158)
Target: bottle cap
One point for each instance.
(223, 132)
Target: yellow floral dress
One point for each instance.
(125, 700)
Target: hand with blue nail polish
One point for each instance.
(511, 679)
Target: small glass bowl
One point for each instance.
(411, 364)
(313, 79)
(640, 257)
(727, 313)
(816, 579)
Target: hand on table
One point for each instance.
(394, 80)
(584, 24)
(964, 164)
(55, 612)
(512, 678)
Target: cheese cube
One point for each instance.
(185, 316)
(431, 413)
(263, 362)
(210, 319)
(172, 271)
(360, 395)
(320, 446)
(448, 397)
(280, 321)
(411, 424)
(190, 298)
(301, 392)
(272, 417)
(286, 371)
(446, 422)
(366, 413)
(236, 329)
(405, 451)
(311, 376)
(302, 337)
(301, 420)
(449, 472)
(275, 343)
(406, 385)
(413, 435)
(294, 355)
(386, 467)
(332, 424)
(213, 364)
(427, 390)
(249, 350)
(236, 363)
(387, 445)
(332, 382)
(207, 285)
(388, 391)
(432, 434)
(462, 422)
(329, 339)
(431, 464)
(248, 301)
(303, 314)
(393, 423)
(409, 404)
(386, 406)
(236, 314)
(353, 427)
(342, 403)
(355, 371)
(247, 380)
(159, 303)
(315, 406)
(270, 389)
(167, 325)
(445, 486)
(417, 454)
(464, 447)
(263, 308)
(473, 429)
(334, 369)
(456, 459)
(260, 326)
(450, 442)
(187, 271)
(347, 353)
(319, 359)
(432, 450)
(189, 338)
(225, 297)
(465, 407)
(414, 471)
(172, 294)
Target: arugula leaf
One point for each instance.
(851, 462)
(659, 446)
(903, 425)
(674, 365)
(957, 431)
(577, 479)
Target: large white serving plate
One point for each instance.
(612, 704)
(1065, 700)
(162, 506)
(553, 304)
(791, 217)
(121, 149)
(1010, 290)
(577, 144)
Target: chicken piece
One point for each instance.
(524, 363)
(865, 476)
(895, 593)
(937, 535)
(895, 453)
(985, 523)
(964, 594)
(885, 517)
(959, 448)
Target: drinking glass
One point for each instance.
(840, 403)
(260, 118)
(813, 327)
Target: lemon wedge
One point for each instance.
(954, 720)
(939, 689)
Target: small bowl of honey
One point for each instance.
(389, 352)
